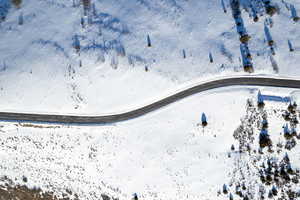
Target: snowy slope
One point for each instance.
(163, 155)
(40, 69)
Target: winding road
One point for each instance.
(204, 86)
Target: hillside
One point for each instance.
(164, 155)
(107, 56)
(114, 67)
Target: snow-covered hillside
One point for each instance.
(113, 55)
(115, 68)
(164, 155)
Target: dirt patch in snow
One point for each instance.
(22, 192)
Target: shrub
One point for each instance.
(296, 19)
(264, 139)
(17, 3)
(245, 38)
(271, 10)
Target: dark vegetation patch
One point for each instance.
(262, 167)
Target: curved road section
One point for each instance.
(224, 82)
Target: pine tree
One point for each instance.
(203, 120)
(114, 61)
(291, 108)
(291, 48)
(265, 124)
(225, 189)
(135, 197)
(149, 41)
(289, 169)
(17, 3)
(273, 62)
(76, 43)
(268, 36)
(286, 158)
(264, 139)
(86, 6)
(274, 190)
(94, 9)
(260, 100)
(293, 132)
(232, 147)
(90, 19)
(21, 19)
(243, 186)
(223, 6)
(99, 31)
(294, 14)
(211, 60)
(270, 194)
(82, 22)
(286, 132)
(184, 54)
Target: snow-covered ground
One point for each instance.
(40, 69)
(163, 155)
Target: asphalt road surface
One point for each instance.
(236, 81)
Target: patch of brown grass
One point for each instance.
(36, 125)
(22, 192)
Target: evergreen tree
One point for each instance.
(203, 120)
(82, 22)
(21, 19)
(293, 132)
(211, 60)
(294, 13)
(149, 41)
(225, 189)
(265, 124)
(274, 190)
(135, 197)
(232, 148)
(94, 9)
(286, 131)
(291, 48)
(260, 100)
(264, 139)
(289, 169)
(86, 6)
(76, 43)
(268, 36)
(17, 3)
(270, 194)
(114, 61)
(223, 6)
(90, 19)
(286, 158)
(230, 196)
(184, 54)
